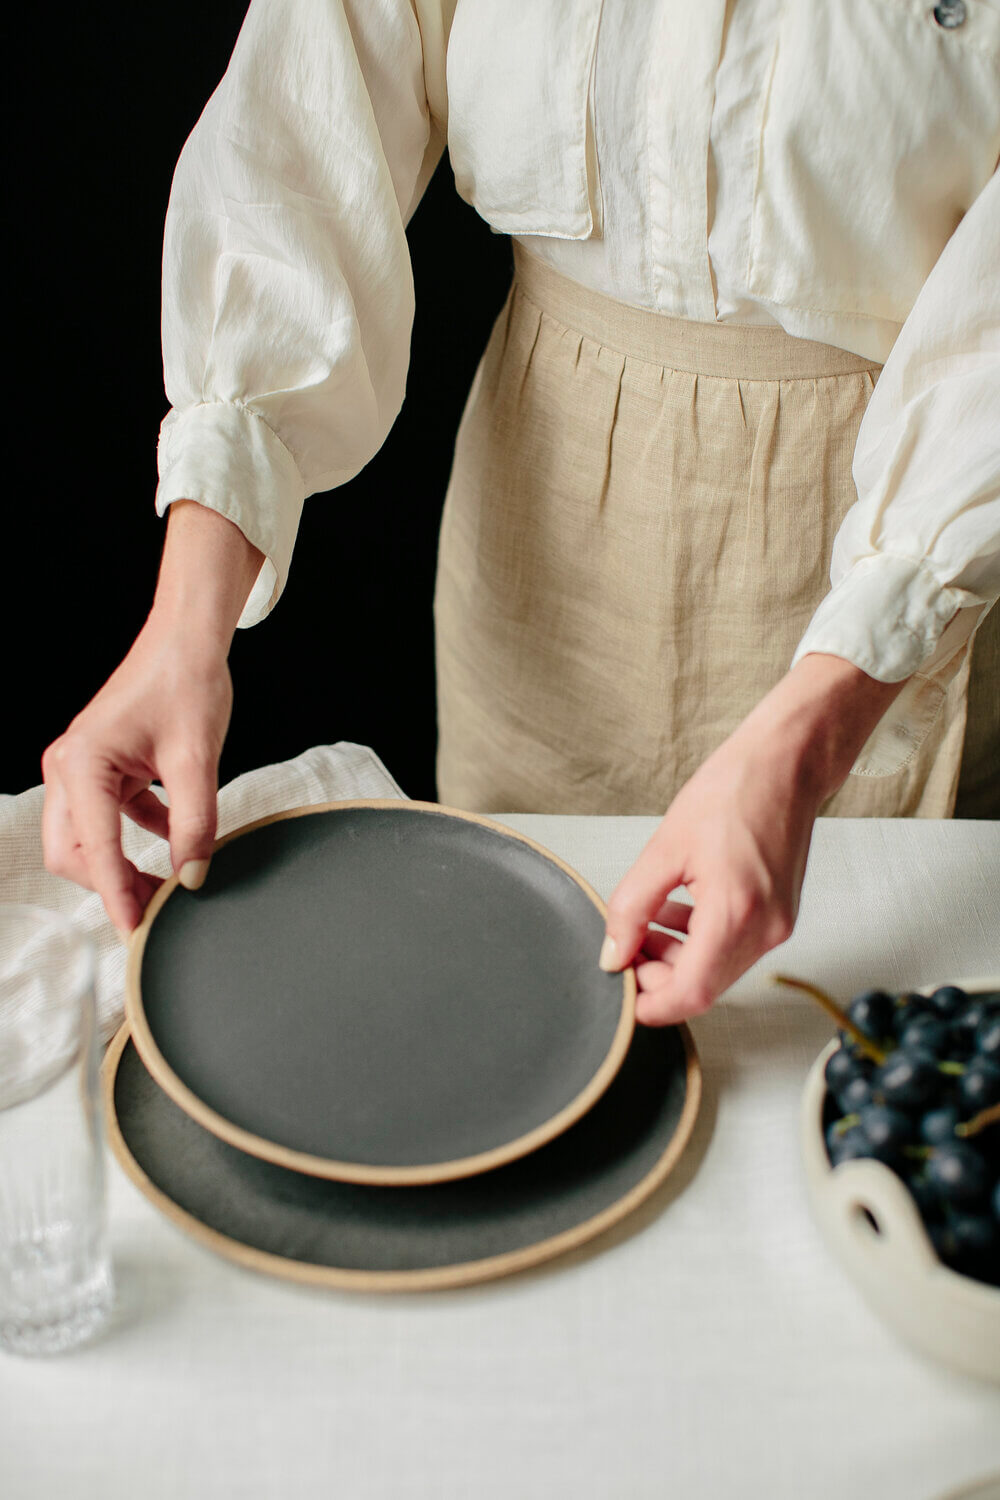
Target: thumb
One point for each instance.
(191, 783)
(635, 902)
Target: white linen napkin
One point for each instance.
(324, 773)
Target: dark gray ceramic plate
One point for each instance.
(410, 1238)
(381, 992)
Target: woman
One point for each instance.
(727, 219)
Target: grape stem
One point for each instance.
(831, 1007)
(988, 1116)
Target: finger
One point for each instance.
(673, 914)
(636, 899)
(190, 778)
(60, 849)
(652, 975)
(656, 946)
(63, 853)
(729, 929)
(146, 809)
(93, 797)
(146, 887)
(696, 972)
(653, 979)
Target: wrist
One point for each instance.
(822, 712)
(206, 573)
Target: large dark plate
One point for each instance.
(410, 1238)
(381, 992)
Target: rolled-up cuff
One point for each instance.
(226, 457)
(887, 616)
(894, 620)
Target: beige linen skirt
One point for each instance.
(636, 533)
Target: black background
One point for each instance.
(110, 93)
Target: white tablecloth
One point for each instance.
(708, 1349)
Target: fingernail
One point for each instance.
(609, 960)
(192, 873)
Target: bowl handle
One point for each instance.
(878, 1212)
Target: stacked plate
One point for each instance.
(375, 1050)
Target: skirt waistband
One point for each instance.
(739, 351)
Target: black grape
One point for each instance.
(908, 1007)
(872, 1014)
(849, 1046)
(988, 1036)
(851, 1146)
(927, 1031)
(888, 1130)
(924, 1195)
(855, 1094)
(909, 1077)
(958, 1173)
(938, 1125)
(840, 1068)
(961, 1044)
(947, 999)
(976, 1241)
(975, 1233)
(979, 1085)
(967, 1021)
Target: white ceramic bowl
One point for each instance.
(946, 1316)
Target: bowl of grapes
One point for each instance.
(901, 1146)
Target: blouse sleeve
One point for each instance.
(916, 563)
(287, 291)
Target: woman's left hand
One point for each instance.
(737, 837)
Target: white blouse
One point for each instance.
(828, 165)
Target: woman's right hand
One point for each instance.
(161, 716)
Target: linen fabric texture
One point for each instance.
(635, 533)
(830, 169)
